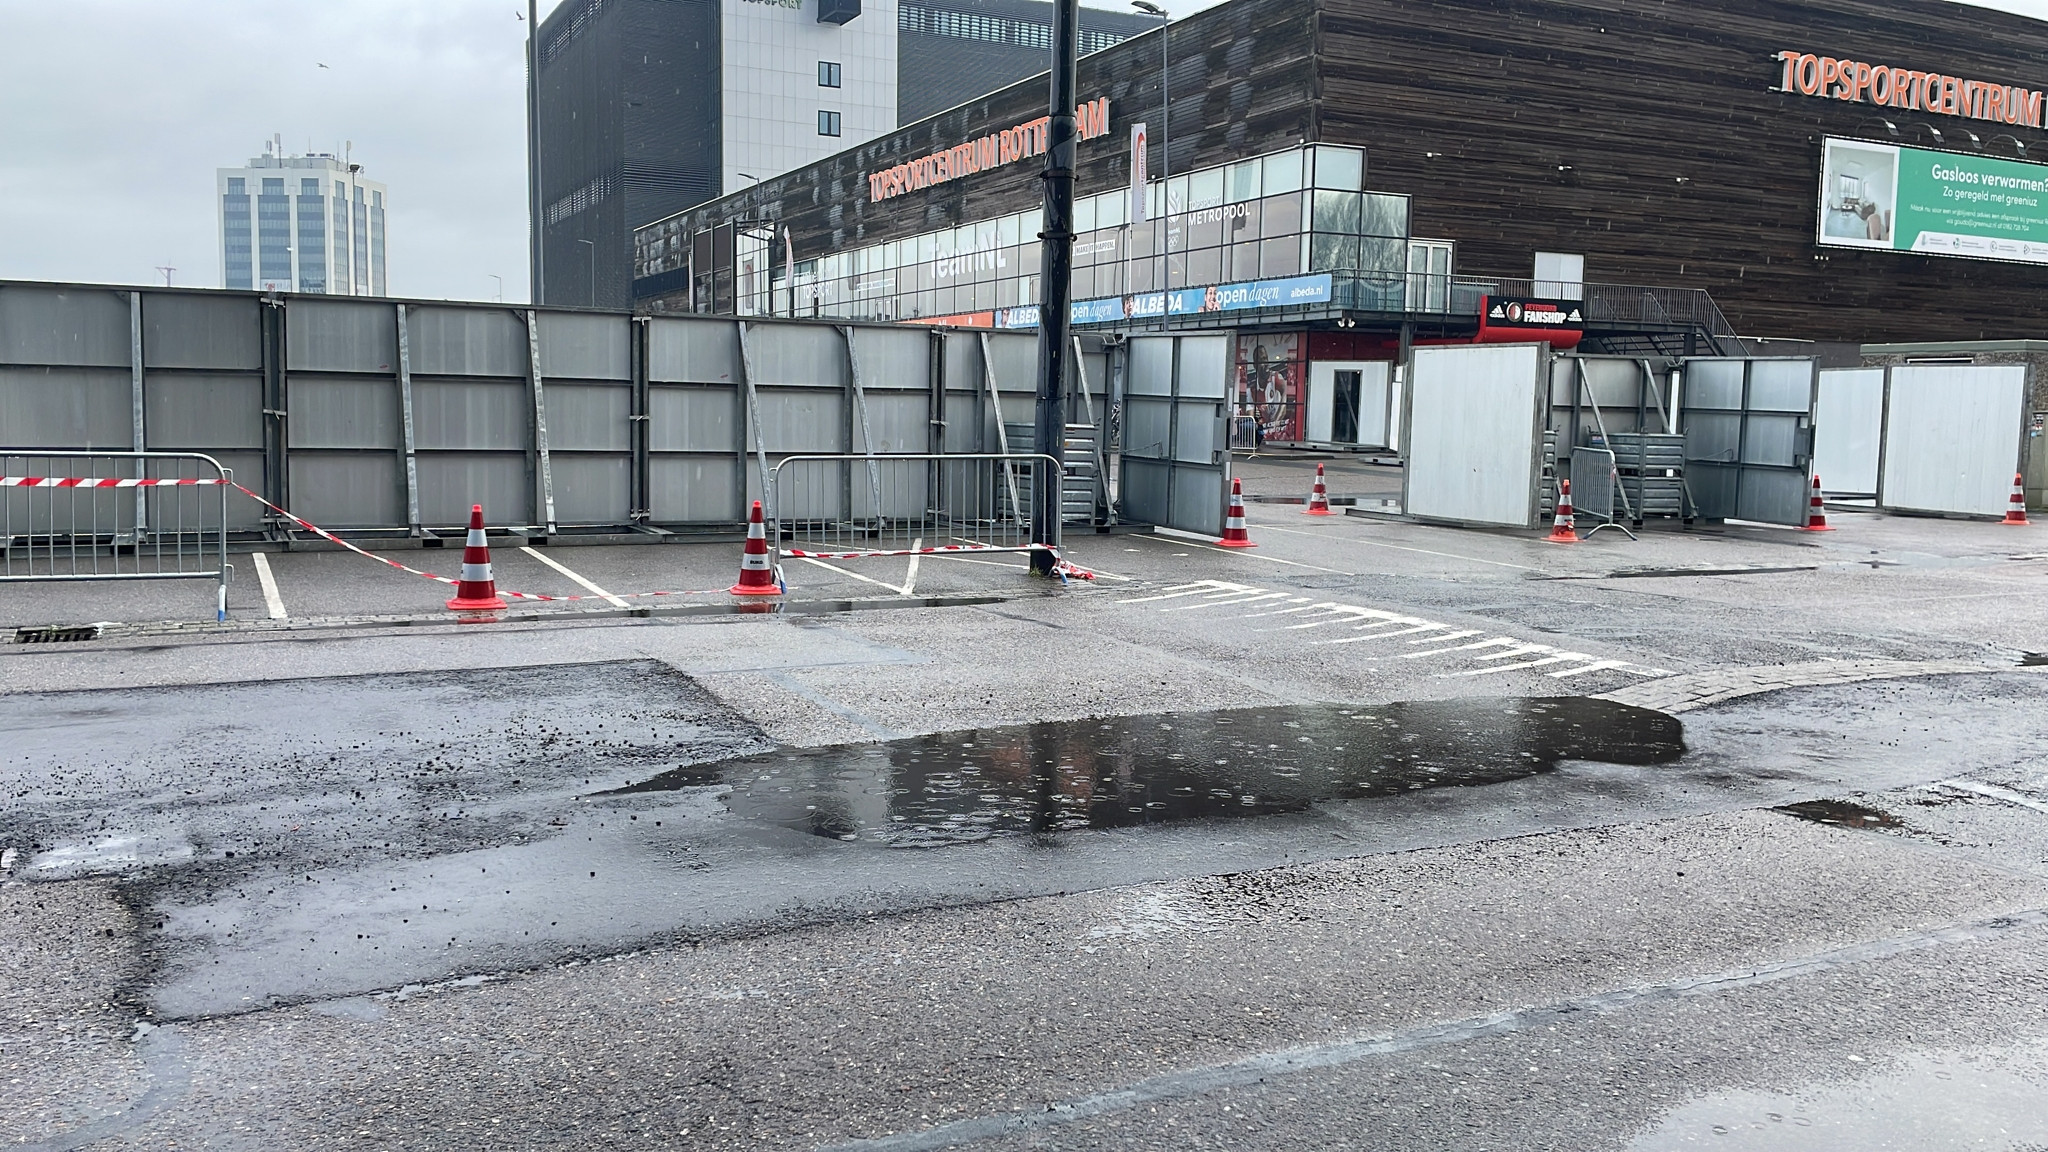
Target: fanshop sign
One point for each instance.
(991, 151)
(1517, 312)
(1888, 87)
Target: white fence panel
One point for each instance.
(1951, 438)
(1847, 429)
(1475, 433)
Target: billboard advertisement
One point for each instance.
(1934, 203)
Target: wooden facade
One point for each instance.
(1643, 134)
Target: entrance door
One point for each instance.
(1344, 415)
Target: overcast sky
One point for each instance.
(115, 113)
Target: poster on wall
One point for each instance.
(1935, 203)
(1271, 375)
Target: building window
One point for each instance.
(828, 74)
(828, 123)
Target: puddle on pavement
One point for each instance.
(1841, 812)
(959, 787)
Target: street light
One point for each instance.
(1165, 156)
(591, 268)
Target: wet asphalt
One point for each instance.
(1338, 850)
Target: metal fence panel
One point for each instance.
(452, 340)
(694, 489)
(802, 420)
(693, 351)
(54, 325)
(450, 482)
(348, 489)
(92, 531)
(66, 407)
(199, 412)
(1952, 436)
(845, 503)
(693, 419)
(1848, 426)
(471, 414)
(584, 346)
(340, 336)
(897, 420)
(790, 353)
(1474, 433)
(589, 417)
(592, 488)
(207, 332)
(344, 412)
(1748, 436)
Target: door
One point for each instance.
(1175, 469)
(1429, 275)
(1344, 408)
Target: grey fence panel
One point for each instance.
(587, 417)
(897, 358)
(592, 488)
(691, 489)
(343, 412)
(898, 421)
(348, 489)
(802, 420)
(1748, 436)
(451, 481)
(584, 346)
(340, 336)
(200, 411)
(790, 353)
(47, 324)
(455, 341)
(207, 332)
(66, 407)
(693, 351)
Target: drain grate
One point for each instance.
(56, 635)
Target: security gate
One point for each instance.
(1748, 427)
(1176, 465)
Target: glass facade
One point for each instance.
(274, 235)
(342, 263)
(312, 237)
(376, 243)
(236, 243)
(361, 236)
(1294, 227)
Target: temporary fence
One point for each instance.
(850, 506)
(114, 516)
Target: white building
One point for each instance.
(802, 80)
(301, 224)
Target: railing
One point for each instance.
(851, 505)
(114, 516)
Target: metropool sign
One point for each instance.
(994, 150)
(1857, 81)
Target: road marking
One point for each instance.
(271, 599)
(1384, 635)
(910, 575)
(1993, 791)
(1306, 606)
(1176, 591)
(1493, 643)
(857, 576)
(1202, 542)
(1595, 666)
(1396, 547)
(1560, 658)
(566, 571)
(1223, 603)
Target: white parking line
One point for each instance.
(1176, 591)
(1496, 642)
(857, 576)
(1595, 666)
(1384, 635)
(910, 575)
(1560, 658)
(1224, 603)
(585, 584)
(271, 600)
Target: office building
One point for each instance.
(648, 107)
(307, 223)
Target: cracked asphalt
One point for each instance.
(931, 876)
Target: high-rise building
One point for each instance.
(650, 107)
(307, 223)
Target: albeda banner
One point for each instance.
(1936, 203)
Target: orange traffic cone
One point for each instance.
(1562, 530)
(476, 591)
(1318, 497)
(1816, 512)
(2016, 511)
(757, 575)
(1233, 524)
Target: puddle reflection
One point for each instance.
(959, 787)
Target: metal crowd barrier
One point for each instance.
(853, 505)
(114, 516)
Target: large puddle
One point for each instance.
(958, 787)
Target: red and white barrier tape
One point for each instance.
(100, 482)
(324, 534)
